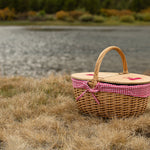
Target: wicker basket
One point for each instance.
(111, 95)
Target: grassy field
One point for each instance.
(109, 22)
(41, 114)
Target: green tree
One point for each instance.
(14, 4)
(4, 3)
(51, 6)
(34, 5)
(106, 4)
(93, 6)
(23, 5)
(70, 5)
(137, 5)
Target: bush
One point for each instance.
(138, 16)
(114, 18)
(40, 16)
(7, 14)
(31, 13)
(86, 18)
(127, 18)
(50, 17)
(42, 13)
(115, 12)
(146, 17)
(99, 19)
(146, 10)
(109, 12)
(22, 16)
(62, 15)
(69, 19)
(75, 14)
(125, 12)
(142, 16)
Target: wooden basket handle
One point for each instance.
(100, 58)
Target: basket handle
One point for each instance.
(100, 58)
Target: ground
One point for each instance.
(41, 114)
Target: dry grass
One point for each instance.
(42, 115)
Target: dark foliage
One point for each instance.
(92, 6)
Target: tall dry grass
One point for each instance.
(42, 115)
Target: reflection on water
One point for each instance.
(38, 51)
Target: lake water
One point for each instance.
(39, 51)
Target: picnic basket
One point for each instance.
(108, 94)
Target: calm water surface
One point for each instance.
(39, 51)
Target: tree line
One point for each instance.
(92, 6)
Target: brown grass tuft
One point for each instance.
(41, 114)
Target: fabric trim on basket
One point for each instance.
(131, 90)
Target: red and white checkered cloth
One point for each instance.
(132, 90)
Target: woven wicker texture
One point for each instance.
(111, 104)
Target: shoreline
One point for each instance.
(76, 23)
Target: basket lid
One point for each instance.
(116, 78)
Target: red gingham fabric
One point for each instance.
(132, 90)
